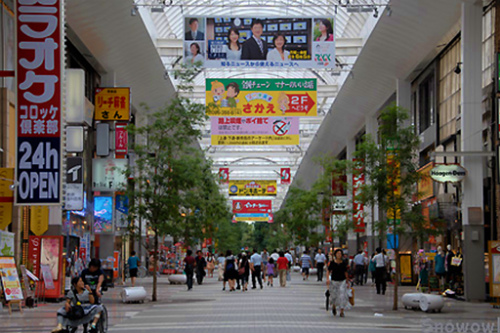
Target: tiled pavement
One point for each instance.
(300, 307)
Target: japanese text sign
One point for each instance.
(358, 181)
(224, 175)
(286, 176)
(10, 279)
(38, 79)
(261, 97)
(112, 104)
(255, 217)
(253, 188)
(255, 131)
(6, 196)
(121, 139)
(277, 42)
(252, 206)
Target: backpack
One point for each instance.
(230, 265)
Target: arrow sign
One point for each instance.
(300, 103)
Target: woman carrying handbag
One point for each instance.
(339, 284)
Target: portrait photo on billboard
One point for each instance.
(265, 42)
(194, 28)
(194, 55)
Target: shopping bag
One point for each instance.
(351, 295)
(288, 276)
(327, 296)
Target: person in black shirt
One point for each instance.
(93, 277)
(201, 263)
(337, 272)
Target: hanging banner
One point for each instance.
(121, 139)
(48, 278)
(34, 249)
(224, 175)
(74, 196)
(6, 244)
(245, 131)
(252, 206)
(112, 104)
(261, 97)
(39, 219)
(6, 196)
(425, 185)
(39, 78)
(10, 279)
(271, 43)
(358, 181)
(255, 217)
(253, 188)
(286, 176)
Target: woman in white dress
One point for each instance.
(195, 58)
(278, 53)
(233, 47)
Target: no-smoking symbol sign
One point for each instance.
(280, 127)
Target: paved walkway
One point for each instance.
(300, 307)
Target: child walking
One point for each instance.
(270, 271)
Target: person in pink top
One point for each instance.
(282, 268)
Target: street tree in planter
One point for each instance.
(390, 167)
(169, 166)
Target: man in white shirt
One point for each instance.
(289, 257)
(256, 266)
(320, 259)
(381, 262)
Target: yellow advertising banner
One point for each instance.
(253, 187)
(39, 219)
(425, 184)
(112, 104)
(5, 214)
(261, 97)
(6, 181)
(252, 218)
(6, 196)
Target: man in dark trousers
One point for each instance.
(255, 266)
(189, 265)
(201, 263)
(255, 48)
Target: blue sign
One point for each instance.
(252, 215)
(392, 241)
(122, 204)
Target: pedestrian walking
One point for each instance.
(230, 272)
(320, 259)
(265, 260)
(282, 264)
(381, 262)
(255, 266)
(201, 263)
(270, 271)
(306, 263)
(359, 268)
(244, 271)
(372, 268)
(337, 281)
(289, 257)
(210, 265)
(221, 260)
(189, 265)
(133, 267)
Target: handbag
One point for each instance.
(241, 271)
(351, 295)
(76, 312)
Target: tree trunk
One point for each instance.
(396, 277)
(155, 266)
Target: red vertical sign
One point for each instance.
(39, 47)
(358, 180)
(286, 176)
(121, 139)
(34, 249)
(224, 175)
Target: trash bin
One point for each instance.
(431, 302)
